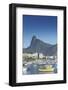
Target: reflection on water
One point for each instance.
(39, 68)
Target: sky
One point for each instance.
(43, 27)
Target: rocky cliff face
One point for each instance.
(39, 46)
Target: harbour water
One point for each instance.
(40, 67)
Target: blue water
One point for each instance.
(34, 69)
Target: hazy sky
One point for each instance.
(43, 27)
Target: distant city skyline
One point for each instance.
(43, 27)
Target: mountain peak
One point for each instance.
(39, 46)
(33, 41)
(34, 37)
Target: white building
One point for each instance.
(41, 55)
(34, 55)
